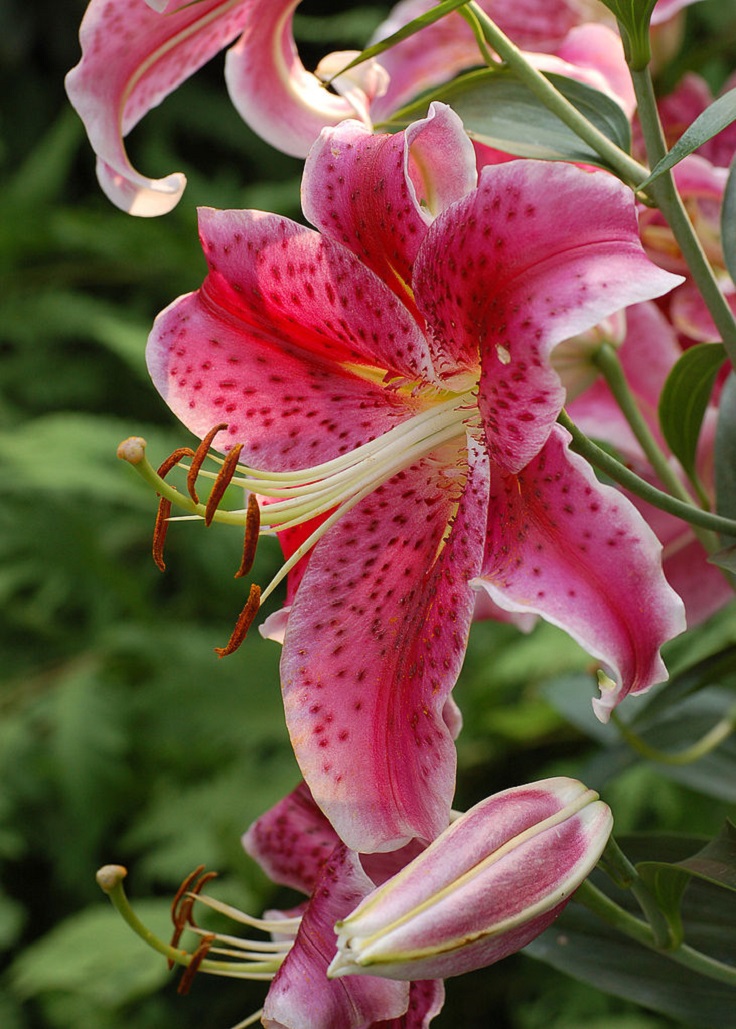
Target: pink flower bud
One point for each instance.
(487, 886)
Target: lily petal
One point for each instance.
(288, 340)
(578, 553)
(292, 841)
(270, 87)
(376, 193)
(301, 996)
(517, 267)
(132, 57)
(374, 645)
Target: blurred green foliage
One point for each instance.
(122, 737)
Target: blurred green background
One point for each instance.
(122, 737)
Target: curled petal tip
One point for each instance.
(132, 450)
(110, 876)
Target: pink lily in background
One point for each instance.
(489, 884)
(388, 378)
(649, 351)
(136, 52)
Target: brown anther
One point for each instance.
(164, 507)
(244, 622)
(173, 459)
(222, 482)
(183, 902)
(159, 533)
(199, 458)
(196, 960)
(250, 541)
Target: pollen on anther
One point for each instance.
(250, 540)
(244, 622)
(221, 483)
(199, 458)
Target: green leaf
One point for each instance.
(725, 466)
(76, 454)
(685, 397)
(713, 120)
(716, 862)
(668, 883)
(728, 222)
(500, 111)
(587, 949)
(411, 27)
(95, 956)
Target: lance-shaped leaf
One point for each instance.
(685, 397)
(720, 114)
(483, 889)
(499, 111)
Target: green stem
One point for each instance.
(626, 167)
(664, 192)
(610, 912)
(607, 361)
(638, 486)
(623, 872)
(707, 743)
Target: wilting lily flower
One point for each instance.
(136, 52)
(389, 383)
(486, 887)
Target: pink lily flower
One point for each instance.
(489, 884)
(296, 846)
(135, 52)
(648, 353)
(405, 347)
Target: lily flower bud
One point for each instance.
(487, 886)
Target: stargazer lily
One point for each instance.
(387, 380)
(352, 953)
(136, 52)
(296, 847)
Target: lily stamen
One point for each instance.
(199, 458)
(221, 483)
(253, 959)
(243, 624)
(324, 492)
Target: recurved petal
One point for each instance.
(564, 546)
(132, 57)
(270, 87)
(374, 644)
(301, 996)
(292, 841)
(287, 341)
(377, 193)
(536, 254)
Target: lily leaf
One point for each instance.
(685, 397)
(725, 469)
(500, 111)
(411, 27)
(713, 120)
(587, 949)
(633, 17)
(728, 222)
